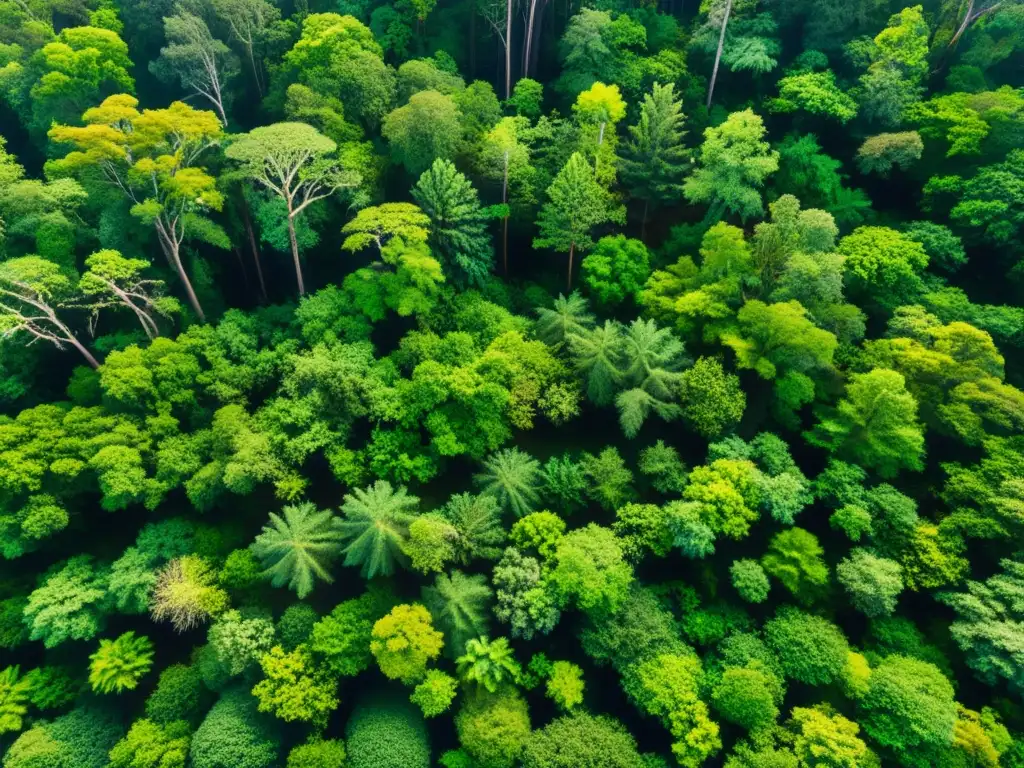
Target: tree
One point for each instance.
(750, 580)
(250, 22)
(522, 598)
(459, 604)
(488, 664)
(298, 165)
(234, 733)
(733, 162)
(616, 270)
(826, 738)
(909, 709)
(297, 546)
(811, 649)
(875, 424)
(112, 281)
(873, 583)
(816, 93)
(665, 470)
(567, 318)
(747, 695)
(885, 151)
(31, 292)
(565, 685)
(119, 664)
(883, 264)
(186, 595)
(386, 730)
(202, 64)
(70, 603)
(342, 637)
(589, 569)
(180, 694)
(988, 624)
(422, 131)
(653, 161)
(404, 641)
(598, 356)
(294, 688)
(609, 481)
(899, 64)
(375, 527)
(712, 400)
(493, 727)
(435, 694)
(576, 204)
(151, 158)
(794, 557)
(582, 740)
(151, 744)
(477, 523)
(14, 699)
(458, 229)
(511, 477)
(239, 640)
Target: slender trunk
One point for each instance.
(241, 266)
(147, 323)
(718, 53)
(172, 250)
(295, 253)
(255, 72)
(572, 248)
(538, 28)
(969, 20)
(508, 54)
(253, 245)
(504, 201)
(85, 352)
(529, 38)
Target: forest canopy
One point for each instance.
(511, 384)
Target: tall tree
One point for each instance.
(375, 527)
(458, 232)
(248, 21)
(653, 162)
(734, 162)
(298, 164)
(460, 605)
(195, 58)
(297, 546)
(151, 158)
(576, 204)
(112, 281)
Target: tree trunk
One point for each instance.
(508, 54)
(572, 248)
(85, 352)
(718, 53)
(295, 254)
(175, 257)
(252, 244)
(255, 71)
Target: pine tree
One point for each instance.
(576, 204)
(375, 527)
(568, 317)
(460, 606)
(297, 548)
(458, 228)
(598, 357)
(654, 161)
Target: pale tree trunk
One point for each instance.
(528, 42)
(969, 18)
(172, 250)
(508, 56)
(85, 352)
(572, 248)
(295, 253)
(718, 53)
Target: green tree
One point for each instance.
(565, 685)
(815, 93)
(826, 738)
(386, 730)
(477, 523)
(404, 641)
(32, 290)
(342, 637)
(733, 162)
(576, 204)
(654, 160)
(488, 664)
(712, 400)
(493, 727)
(582, 740)
(112, 281)
(186, 593)
(665, 470)
(899, 64)
(239, 640)
(568, 317)
(375, 526)
(69, 604)
(747, 696)
(14, 699)
(252, 24)
(436, 693)
(589, 570)
(883, 266)
(202, 64)
(810, 649)
(150, 745)
(296, 164)
(458, 227)
(234, 733)
(875, 424)
(872, 583)
(616, 269)
(424, 130)
(119, 664)
(522, 598)
(460, 606)
(294, 688)
(885, 151)
(180, 694)
(750, 580)
(297, 546)
(608, 479)
(377, 224)
(794, 557)
(318, 753)
(151, 157)
(598, 357)
(511, 477)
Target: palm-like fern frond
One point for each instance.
(297, 546)
(598, 356)
(376, 525)
(513, 478)
(478, 522)
(488, 663)
(460, 607)
(636, 404)
(568, 317)
(654, 358)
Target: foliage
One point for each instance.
(385, 730)
(293, 688)
(119, 664)
(459, 604)
(404, 641)
(297, 546)
(584, 740)
(375, 525)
